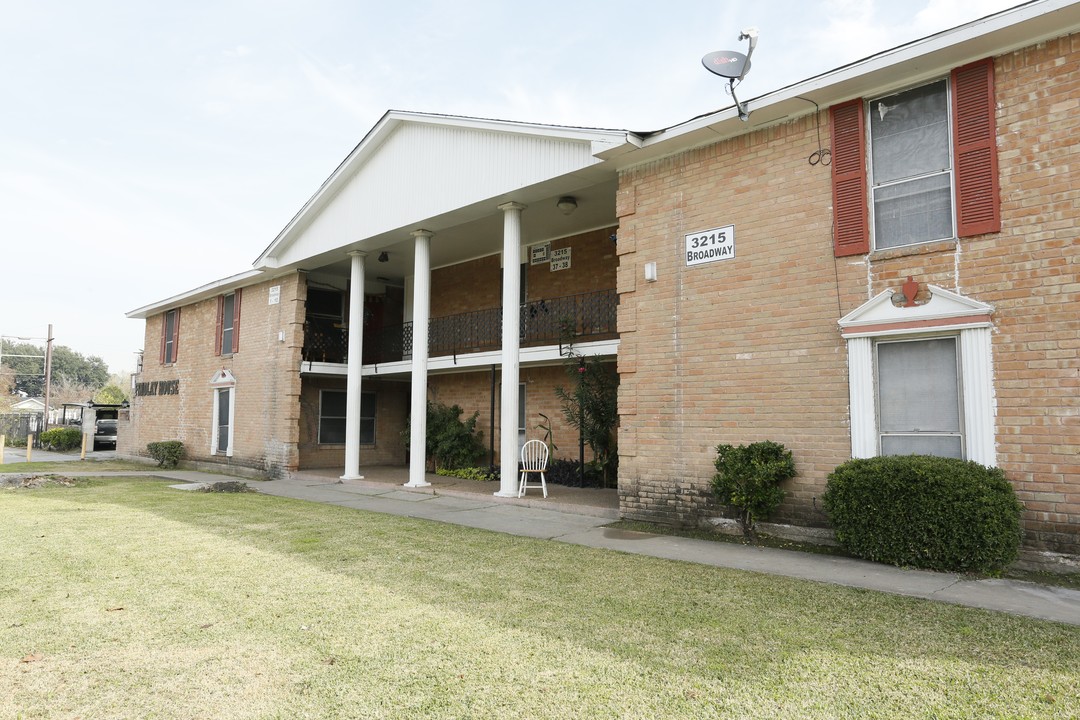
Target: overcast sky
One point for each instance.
(150, 147)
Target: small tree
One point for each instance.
(110, 395)
(748, 479)
(591, 405)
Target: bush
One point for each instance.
(926, 512)
(62, 439)
(167, 453)
(451, 441)
(748, 479)
(470, 473)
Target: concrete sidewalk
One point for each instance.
(530, 517)
(561, 520)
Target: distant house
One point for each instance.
(29, 405)
(881, 259)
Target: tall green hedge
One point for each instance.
(926, 512)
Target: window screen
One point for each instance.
(919, 398)
(911, 163)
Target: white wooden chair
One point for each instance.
(534, 459)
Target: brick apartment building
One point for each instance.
(880, 259)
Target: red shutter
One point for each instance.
(851, 224)
(220, 323)
(975, 149)
(236, 322)
(164, 329)
(176, 336)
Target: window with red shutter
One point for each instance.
(924, 182)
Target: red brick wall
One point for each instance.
(472, 391)
(391, 408)
(748, 349)
(467, 286)
(593, 266)
(1030, 273)
(733, 351)
(477, 284)
(267, 381)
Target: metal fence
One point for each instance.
(587, 316)
(17, 427)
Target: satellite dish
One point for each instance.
(727, 64)
(733, 66)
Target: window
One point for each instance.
(223, 384)
(227, 337)
(925, 157)
(920, 379)
(911, 167)
(332, 417)
(223, 409)
(170, 334)
(918, 398)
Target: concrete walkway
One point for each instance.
(565, 517)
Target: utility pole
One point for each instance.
(48, 374)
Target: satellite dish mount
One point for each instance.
(734, 66)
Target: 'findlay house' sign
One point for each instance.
(710, 245)
(157, 387)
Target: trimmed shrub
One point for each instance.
(470, 473)
(748, 479)
(61, 439)
(167, 453)
(925, 512)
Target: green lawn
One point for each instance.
(126, 599)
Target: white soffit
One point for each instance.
(217, 287)
(414, 167)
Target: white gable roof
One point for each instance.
(413, 168)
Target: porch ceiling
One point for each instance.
(477, 230)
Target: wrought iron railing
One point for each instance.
(325, 341)
(543, 322)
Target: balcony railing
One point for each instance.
(589, 316)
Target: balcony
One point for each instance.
(585, 317)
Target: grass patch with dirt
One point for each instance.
(127, 599)
(74, 467)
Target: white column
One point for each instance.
(356, 361)
(978, 378)
(861, 397)
(421, 310)
(511, 346)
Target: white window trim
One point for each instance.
(946, 313)
(223, 380)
